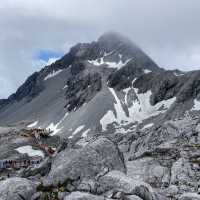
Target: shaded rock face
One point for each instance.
(167, 85)
(81, 89)
(17, 189)
(119, 78)
(87, 162)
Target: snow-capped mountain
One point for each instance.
(107, 82)
(122, 128)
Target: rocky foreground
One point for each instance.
(153, 163)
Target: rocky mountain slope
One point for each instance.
(124, 128)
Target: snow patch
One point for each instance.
(120, 113)
(139, 109)
(100, 61)
(178, 74)
(52, 74)
(196, 105)
(147, 126)
(108, 118)
(32, 124)
(30, 151)
(146, 71)
(77, 130)
(66, 86)
(126, 91)
(54, 127)
(84, 134)
(142, 109)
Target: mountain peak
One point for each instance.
(113, 36)
(113, 39)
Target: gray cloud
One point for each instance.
(168, 30)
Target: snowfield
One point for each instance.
(138, 110)
(146, 71)
(108, 118)
(54, 127)
(101, 61)
(30, 151)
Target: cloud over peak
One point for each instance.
(167, 30)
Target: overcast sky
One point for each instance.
(35, 32)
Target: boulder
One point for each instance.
(118, 181)
(17, 189)
(189, 196)
(133, 197)
(42, 169)
(88, 162)
(82, 196)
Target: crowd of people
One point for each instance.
(20, 163)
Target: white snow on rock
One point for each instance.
(32, 124)
(120, 113)
(148, 126)
(100, 61)
(30, 151)
(178, 74)
(196, 105)
(108, 118)
(146, 71)
(142, 108)
(66, 86)
(139, 109)
(84, 134)
(54, 127)
(126, 91)
(77, 130)
(54, 73)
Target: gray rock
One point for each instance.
(88, 162)
(133, 197)
(118, 181)
(42, 169)
(190, 196)
(82, 196)
(17, 189)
